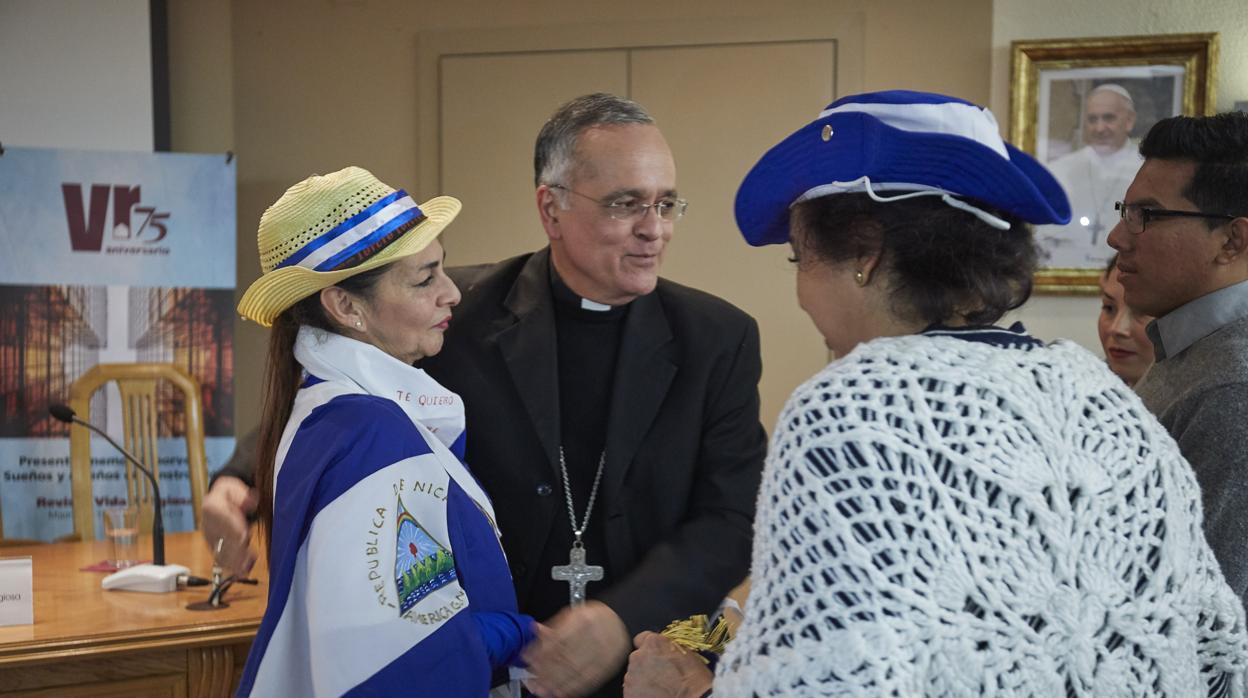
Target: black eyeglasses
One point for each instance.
(1137, 216)
(632, 210)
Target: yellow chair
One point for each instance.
(137, 383)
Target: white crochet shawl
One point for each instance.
(940, 517)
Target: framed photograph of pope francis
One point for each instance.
(1081, 106)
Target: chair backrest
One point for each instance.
(137, 384)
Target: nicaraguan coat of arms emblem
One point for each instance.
(422, 565)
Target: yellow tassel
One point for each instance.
(694, 634)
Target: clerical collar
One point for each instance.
(571, 300)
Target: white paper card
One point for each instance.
(17, 595)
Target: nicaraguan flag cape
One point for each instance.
(382, 539)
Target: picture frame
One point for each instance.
(1080, 107)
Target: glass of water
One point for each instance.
(121, 526)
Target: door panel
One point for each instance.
(720, 108)
(492, 108)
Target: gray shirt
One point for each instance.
(1199, 391)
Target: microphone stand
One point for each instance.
(157, 577)
(158, 519)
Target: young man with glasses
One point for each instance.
(1183, 257)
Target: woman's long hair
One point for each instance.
(282, 378)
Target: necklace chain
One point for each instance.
(1092, 189)
(593, 494)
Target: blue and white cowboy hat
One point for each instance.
(898, 141)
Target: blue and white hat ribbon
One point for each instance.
(913, 143)
(356, 234)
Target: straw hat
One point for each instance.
(324, 221)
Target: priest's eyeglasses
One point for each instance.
(631, 209)
(1137, 216)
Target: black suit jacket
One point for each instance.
(684, 445)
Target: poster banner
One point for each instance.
(110, 257)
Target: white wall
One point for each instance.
(76, 74)
(1075, 317)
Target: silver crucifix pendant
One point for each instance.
(577, 574)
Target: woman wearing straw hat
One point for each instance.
(386, 572)
(953, 508)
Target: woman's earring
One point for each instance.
(860, 278)
(359, 323)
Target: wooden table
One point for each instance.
(89, 642)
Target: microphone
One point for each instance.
(66, 414)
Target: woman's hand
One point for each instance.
(660, 667)
(224, 518)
